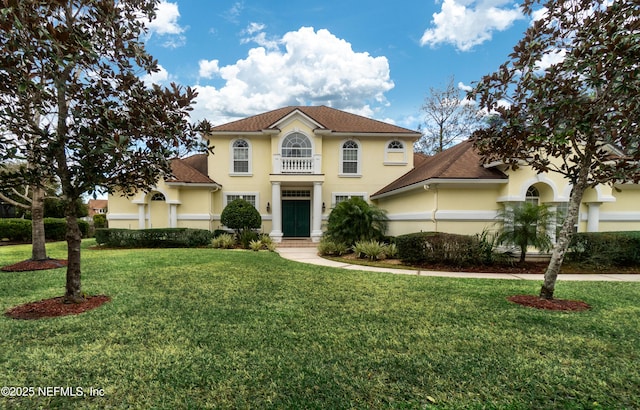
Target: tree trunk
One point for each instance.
(74, 240)
(38, 245)
(564, 237)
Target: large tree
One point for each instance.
(448, 118)
(77, 65)
(578, 116)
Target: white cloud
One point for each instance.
(307, 67)
(467, 23)
(160, 77)
(166, 26)
(258, 36)
(464, 87)
(208, 68)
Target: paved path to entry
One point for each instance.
(310, 256)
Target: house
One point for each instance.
(97, 206)
(455, 192)
(294, 164)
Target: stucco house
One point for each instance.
(294, 164)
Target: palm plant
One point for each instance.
(356, 220)
(526, 225)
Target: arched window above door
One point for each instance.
(296, 145)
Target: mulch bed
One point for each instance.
(55, 307)
(553, 304)
(30, 265)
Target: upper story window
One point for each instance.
(241, 154)
(158, 197)
(395, 153)
(350, 158)
(395, 146)
(296, 145)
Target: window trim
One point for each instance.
(388, 151)
(232, 161)
(358, 172)
(310, 140)
(225, 198)
(334, 195)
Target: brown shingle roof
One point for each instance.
(189, 170)
(460, 162)
(328, 118)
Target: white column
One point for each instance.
(141, 218)
(276, 216)
(593, 217)
(316, 226)
(173, 215)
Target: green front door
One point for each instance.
(296, 216)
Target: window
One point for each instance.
(395, 146)
(296, 193)
(157, 197)
(241, 154)
(532, 196)
(349, 158)
(296, 145)
(249, 198)
(341, 197)
(395, 153)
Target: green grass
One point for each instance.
(204, 328)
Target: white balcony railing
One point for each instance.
(308, 165)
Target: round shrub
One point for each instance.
(240, 215)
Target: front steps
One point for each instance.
(297, 243)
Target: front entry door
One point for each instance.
(296, 216)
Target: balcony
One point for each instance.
(298, 165)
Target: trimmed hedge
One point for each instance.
(437, 247)
(153, 238)
(55, 229)
(605, 248)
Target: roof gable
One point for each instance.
(460, 162)
(325, 118)
(186, 170)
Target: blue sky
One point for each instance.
(376, 58)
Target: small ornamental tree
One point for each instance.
(240, 215)
(355, 220)
(526, 225)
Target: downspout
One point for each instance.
(434, 211)
(216, 189)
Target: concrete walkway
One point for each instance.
(310, 256)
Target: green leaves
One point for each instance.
(356, 220)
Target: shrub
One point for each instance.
(255, 245)
(100, 221)
(437, 247)
(224, 241)
(153, 238)
(240, 215)
(246, 236)
(391, 250)
(605, 249)
(355, 220)
(55, 229)
(372, 250)
(18, 230)
(328, 247)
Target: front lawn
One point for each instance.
(204, 328)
